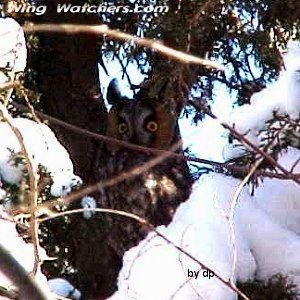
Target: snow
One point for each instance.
(3, 78)
(88, 202)
(13, 52)
(43, 150)
(282, 97)
(276, 249)
(200, 228)
(2, 192)
(266, 225)
(283, 203)
(10, 239)
(63, 288)
(155, 269)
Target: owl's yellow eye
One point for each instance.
(152, 126)
(122, 128)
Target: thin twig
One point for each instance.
(133, 172)
(238, 191)
(232, 211)
(31, 108)
(267, 157)
(9, 85)
(33, 188)
(114, 141)
(143, 221)
(118, 35)
(218, 166)
(187, 280)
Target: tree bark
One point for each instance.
(68, 80)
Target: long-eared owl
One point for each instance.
(153, 195)
(146, 123)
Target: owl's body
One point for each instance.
(154, 195)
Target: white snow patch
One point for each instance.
(10, 239)
(156, 270)
(44, 149)
(64, 288)
(282, 97)
(13, 52)
(281, 198)
(88, 202)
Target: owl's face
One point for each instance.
(137, 123)
(146, 123)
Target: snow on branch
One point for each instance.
(239, 235)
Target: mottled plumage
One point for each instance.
(153, 195)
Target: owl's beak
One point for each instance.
(134, 139)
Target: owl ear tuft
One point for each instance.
(113, 95)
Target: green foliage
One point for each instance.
(246, 36)
(12, 193)
(17, 194)
(277, 287)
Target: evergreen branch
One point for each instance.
(228, 167)
(118, 35)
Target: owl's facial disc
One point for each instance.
(142, 123)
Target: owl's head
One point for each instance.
(141, 120)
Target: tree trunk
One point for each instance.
(68, 80)
(67, 76)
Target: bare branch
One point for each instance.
(218, 166)
(267, 157)
(9, 85)
(118, 35)
(143, 221)
(133, 172)
(233, 205)
(13, 270)
(33, 188)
